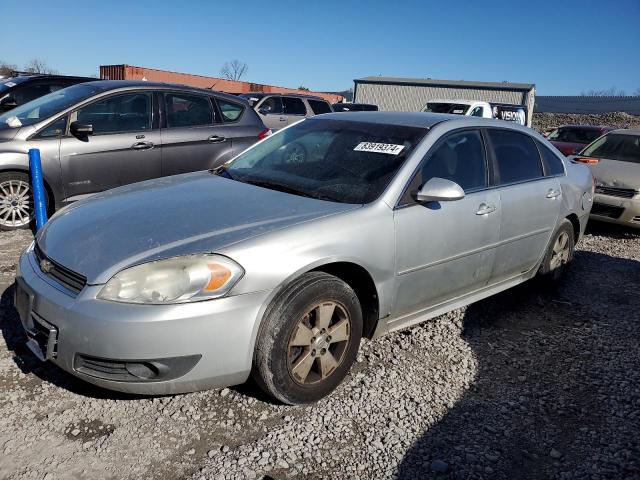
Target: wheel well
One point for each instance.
(50, 197)
(573, 218)
(362, 284)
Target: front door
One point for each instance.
(191, 139)
(530, 202)
(271, 113)
(123, 149)
(447, 249)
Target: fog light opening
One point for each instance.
(144, 370)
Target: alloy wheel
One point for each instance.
(16, 203)
(318, 343)
(560, 253)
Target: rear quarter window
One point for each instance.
(552, 164)
(231, 112)
(319, 106)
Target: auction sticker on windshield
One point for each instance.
(388, 148)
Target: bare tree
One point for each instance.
(233, 70)
(610, 92)
(38, 66)
(7, 69)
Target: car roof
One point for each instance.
(586, 127)
(106, 85)
(280, 94)
(406, 119)
(626, 131)
(36, 76)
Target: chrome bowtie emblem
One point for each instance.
(46, 266)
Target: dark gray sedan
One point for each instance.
(100, 135)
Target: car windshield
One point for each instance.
(335, 160)
(7, 83)
(46, 106)
(456, 108)
(574, 135)
(615, 146)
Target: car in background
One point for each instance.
(277, 265)
(278, 110)
(22, 88)
(99, 135)
(476, 108)
(614, 160)
(354, 107)
(570, 139)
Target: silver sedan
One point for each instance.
(277, 264)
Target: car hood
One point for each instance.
(613, 173)
(181, 215)
(7, 134)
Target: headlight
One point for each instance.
(174, 280)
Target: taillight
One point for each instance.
(587, 160)
(264, 134)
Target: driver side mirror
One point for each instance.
(439, 190)
(80, 130)
(7, 103)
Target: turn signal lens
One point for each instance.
(219, 276)
(587, 160)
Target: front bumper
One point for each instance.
(612, 209)
(215, 338)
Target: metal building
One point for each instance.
(411, 94)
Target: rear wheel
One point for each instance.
(309, 339)
(559, 255)
(16, 201)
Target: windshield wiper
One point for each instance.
(279, 187)
(222, 171)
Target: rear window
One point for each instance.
(517, 158)
(294, 106)
(231, 112)
(552, 164)
(455, 108)
(319, 106)
(574, 135)
(615, 146)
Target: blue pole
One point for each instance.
(37, 185)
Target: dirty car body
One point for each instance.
(408, 258)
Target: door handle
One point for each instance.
(216, 138)
(553, 193)
(283, 119)
(142, 146)
(485, 209)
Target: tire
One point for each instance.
(16, 201)
(296, 361)
(559, 255)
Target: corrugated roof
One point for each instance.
(587, 104)
(442, 83)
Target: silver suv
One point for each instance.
(99, 135)
(279, 110)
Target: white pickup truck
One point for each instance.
(475, 108)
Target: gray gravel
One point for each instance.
(527, 384)
(542, 121)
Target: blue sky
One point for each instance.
(563, 46)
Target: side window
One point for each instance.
(129, 112)
(230, 111)
(184, 110)
(273, 105)
(552, 164)
(459, 157)
(294, 106)
(477, 112)
(517, 158)
(319, 106)
(54, 130)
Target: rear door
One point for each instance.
(192, 139)
(241, 125)
(124, 147)
(271, 112)
(447, 249)
(294, 109)
(530, 201)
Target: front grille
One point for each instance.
(68, 278)
(45, 335)
(616, 192)
(606, 210)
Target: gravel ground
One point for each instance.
(542, 121)
(527, 384)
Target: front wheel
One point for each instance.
(309, 339)
(16, 201)
(559, 255)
